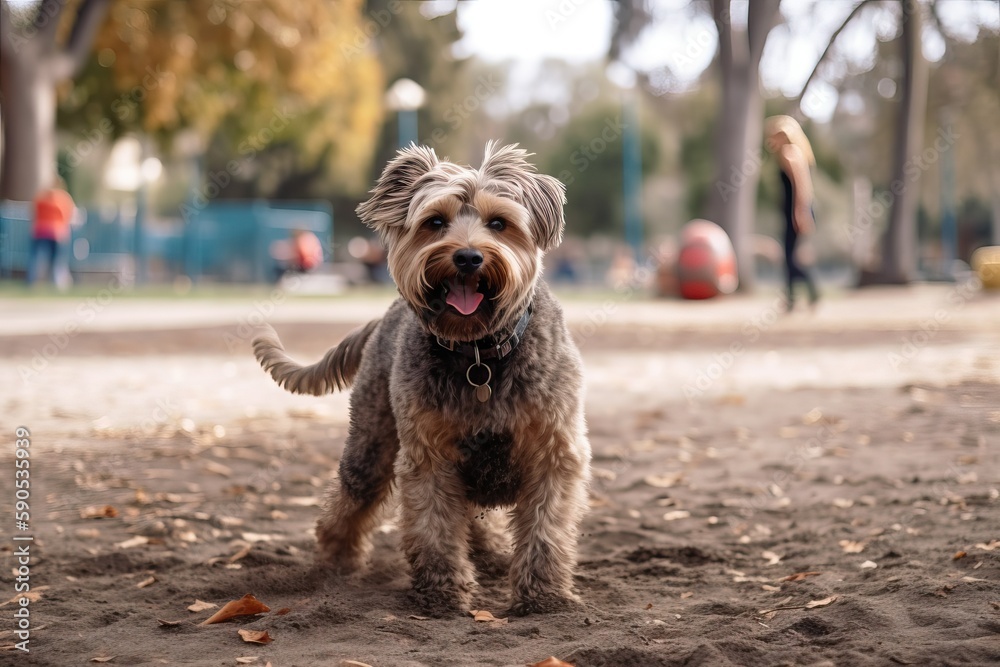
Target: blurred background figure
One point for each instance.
(54, 212)
(622, 272)
(302, 253)
(784, 137)
(196, 133)
(568, 262)
(370, 254)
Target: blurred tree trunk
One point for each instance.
(899, 243)
(31, 66)
(739, 140)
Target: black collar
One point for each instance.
(492, 351)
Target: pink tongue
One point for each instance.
(464, 297)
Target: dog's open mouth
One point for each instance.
(465, 294)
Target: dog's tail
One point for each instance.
(334, 371)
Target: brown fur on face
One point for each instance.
(416, 188)
(417, 424)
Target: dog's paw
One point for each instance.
(339, 561)
(439, 604)
(544, 603)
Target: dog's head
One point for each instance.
(465, 245)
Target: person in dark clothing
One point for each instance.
(785, 138)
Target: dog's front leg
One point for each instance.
(545, 525)
(435, 532)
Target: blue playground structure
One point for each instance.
(226, 241)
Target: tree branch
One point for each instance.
(45, 24)
(89, 18)
(948, 37)
(724, 25)
(761, 18)
(6, 31)
(829, 46)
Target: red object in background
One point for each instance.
(706, 265)
(308, 251)
(53, 213)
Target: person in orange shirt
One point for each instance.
(54, 211)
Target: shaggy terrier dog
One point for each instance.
(467, 394)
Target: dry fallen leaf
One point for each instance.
(146, 582)
(217, 468)
(255, 636)
(168, 624)
(485, 617)
(98, 512)
(201, 606)
(663, 481)
(551, 661)
(820, 603)
(240, 554)
(136, 541)
(34, 595)
(799, 576)
(852, 547)
(247, 605)
(943, 591)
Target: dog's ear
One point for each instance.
(543, 195)
(390, 198)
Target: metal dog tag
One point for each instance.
(483, 393)
(483, 372)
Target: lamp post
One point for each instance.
(404, 97)
(624, 78)
(949, 230)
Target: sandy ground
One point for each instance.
(769, 490)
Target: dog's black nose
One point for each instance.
(467, 260)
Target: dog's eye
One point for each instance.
(436, 223)
(496, 224)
